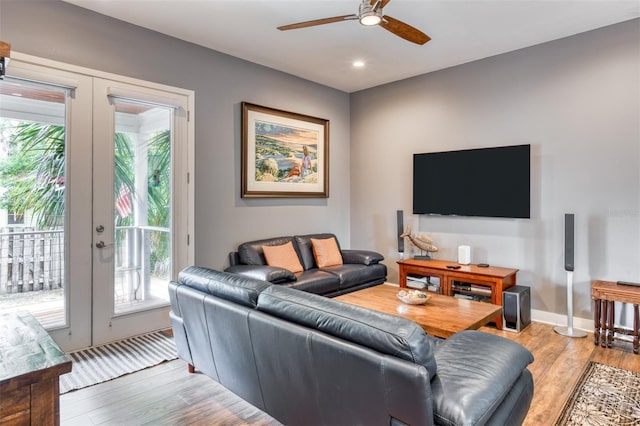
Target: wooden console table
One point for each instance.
(30, 367)
(604, 294)
(493, 278)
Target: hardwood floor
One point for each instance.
(163, 395)
(559, 363)
(168, 395)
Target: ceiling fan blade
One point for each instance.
(403, 30)
(382, 4)
(318, 22)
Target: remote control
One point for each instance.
(628, 283)
(453, 266)
(483, 265)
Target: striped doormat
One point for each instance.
(101, 363)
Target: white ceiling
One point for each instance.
(461, 31)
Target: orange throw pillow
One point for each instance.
(326, 252)
(283, 256)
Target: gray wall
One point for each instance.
(575, 100)
(63, 32)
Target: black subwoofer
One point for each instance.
(516, 308)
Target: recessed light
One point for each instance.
(358, 64)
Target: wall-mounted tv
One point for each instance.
(488, 182)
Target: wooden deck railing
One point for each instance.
(31, 260)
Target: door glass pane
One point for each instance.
(142, 210)
(32, 201)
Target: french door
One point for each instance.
(124, 216)
(137, 167)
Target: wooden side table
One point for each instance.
(604, 294)
(30, 368)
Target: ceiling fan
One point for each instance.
(370, 14)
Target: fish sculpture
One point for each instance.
(421, 241)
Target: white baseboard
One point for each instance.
(585, 324)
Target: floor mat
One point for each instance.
(101, 363)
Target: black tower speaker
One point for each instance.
(400, 220)
(516, 308)
(569, 331)
(568, 241)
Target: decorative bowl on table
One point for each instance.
(413, 297)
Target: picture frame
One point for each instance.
(284, 154)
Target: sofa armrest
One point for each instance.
(364, 257)
(273, 274)
(234, 258)
(476, 371)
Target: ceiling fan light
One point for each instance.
(370, 19)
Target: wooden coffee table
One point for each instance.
(441, 316)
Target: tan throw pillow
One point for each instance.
(283, 256)
(326, 252)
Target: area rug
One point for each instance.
(101, 363)
(604, 395)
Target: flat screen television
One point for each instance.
(488, 182)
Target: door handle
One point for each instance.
(101, 244)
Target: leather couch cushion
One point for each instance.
(351, 275)
(384, 333)
(283, 256)
(273, 274)
(305, 249)
(515, 405)
(250, 253)
(470, 385)
(326, 252)
(317, 282)
(232, 287)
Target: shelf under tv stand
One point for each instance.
(494, 278)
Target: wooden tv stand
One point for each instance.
(488, 283)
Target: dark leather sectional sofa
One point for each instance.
(309, 360)
(360, 268)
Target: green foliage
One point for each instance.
(33, 173)
(159, 196)
(123, 172)
(158, 186)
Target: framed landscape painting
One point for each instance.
(284, 154)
